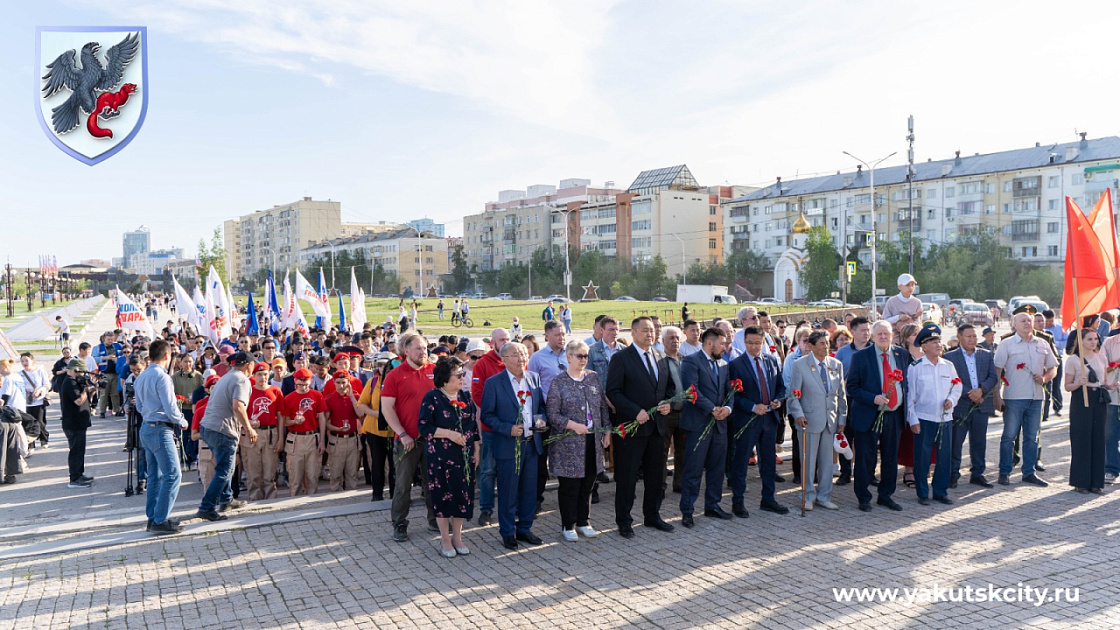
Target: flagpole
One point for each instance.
(1080, 348)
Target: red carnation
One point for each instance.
(736, 385)
(797, 393)
(1005, 381)
(1021, 366)
(955, 381)
(774, 349)
(622, 430)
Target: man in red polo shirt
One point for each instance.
(401, 395)
(489, 365)
(259, 458)
(303, 415)
(340, 432)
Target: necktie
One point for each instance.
(888, 385)
(762, 387)
(649, 366)
(824, 377)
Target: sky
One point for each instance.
(403, 110)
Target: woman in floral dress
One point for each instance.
(447, 423)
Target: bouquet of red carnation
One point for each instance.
(895, 376)
(796, 394)
(734, 387)
(182, 400)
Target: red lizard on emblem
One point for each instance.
(107, 107)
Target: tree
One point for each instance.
(213, 256)
(460, 275)
(819, 275)
(645, 280)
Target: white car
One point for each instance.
(504, 296)
(932, 313)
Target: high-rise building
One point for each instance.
(274, 237)
(427, 225)
(137, 241)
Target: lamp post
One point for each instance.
(684, 262)
(567, 257)
(874, 231)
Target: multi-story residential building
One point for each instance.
(406, 252)
(274, 237)
(360, 229)
(511, 229)
(1016, 196)
(135, 242)
(664, 212)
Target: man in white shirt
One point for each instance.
(903, 308)
(934, 390)
(691, 343)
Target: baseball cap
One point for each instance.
(210, 380)
(477, 344)
(383, 356)
(302, 374)
(225, 351)
(280, 362)
(240, 358)
(77, 365)
(905, 279)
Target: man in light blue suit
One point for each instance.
(511, 422)
(977, 371)
(820, 413)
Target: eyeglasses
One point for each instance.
(582, 357)
(459, 374)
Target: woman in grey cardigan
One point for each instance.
(577, 404)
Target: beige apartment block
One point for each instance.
(405, 252)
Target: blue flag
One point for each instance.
(272, 305)
(253, 327)
(341, 313)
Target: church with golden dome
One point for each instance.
(787, 272)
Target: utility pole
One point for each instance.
(8, 286)
(910, 180)
(874, 231)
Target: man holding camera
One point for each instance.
(106, 354)
(155, 400)
(74, 394)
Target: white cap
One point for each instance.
(905, 279)
(476, 345)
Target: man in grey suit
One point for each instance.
(977, 371)
(820, 412)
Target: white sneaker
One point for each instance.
(836, 470)
(1109, 478)
(587, 531)
(808, 506)
(569, 535)
(828, 505)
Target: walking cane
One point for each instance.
(804, 435)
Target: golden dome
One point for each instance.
(801, 225)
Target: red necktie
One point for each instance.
(762, 381)
(889, 389)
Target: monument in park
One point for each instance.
(787, 272)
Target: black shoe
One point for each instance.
(773, 506)
(602, 478)
(378, 497)
(796, 480)
(686, 520)
(530, 538)
(953, 482)
(594, 497)
(864, 507)
(141, 487)
(9, 479)
(509, 542)
(626, 531)
(165, 528)
(845, 479)
(433, 526)
(923, 501)
(890, 504)
(1035, 481)
(148, 528)
(659, 524)
(232, 505)
(90, 479)
(780, 479)
(1004, 480)
(979, 480)
(717, 512)
(874, 481)
(400, 532)
(1039, 467)
(943, 500)
(677, 490)
(484, 518)
(211, 515)
(740, 511)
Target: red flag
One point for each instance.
(1104, 225)
(1085, 268)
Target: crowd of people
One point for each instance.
(481, 424)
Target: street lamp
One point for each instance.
(684, 262)
(567, 257)
(874, 231)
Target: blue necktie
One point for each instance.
(824, 377)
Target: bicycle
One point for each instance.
(463, 320)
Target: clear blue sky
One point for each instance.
(401, 110)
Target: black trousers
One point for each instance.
(380, 451)
(1086, 441)
(574, 493)
(76, 460)
(884, 444)
(645, 452)
(39, 412)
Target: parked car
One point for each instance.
(975, 314)
(660, 298)
(625, 298)
(954, 311)
(504, 296)
(998, 304)
(1014, 302)
(556, 297)
(940, 299)
(1038, 305)
(931, 312)
(770, 301)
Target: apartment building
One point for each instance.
(1016, 196)
(274, 237)
(406, 252)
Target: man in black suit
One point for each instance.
(632, 378)
(871, 393)
(707, 371)
(757, 409)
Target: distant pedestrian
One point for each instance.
(439, 308)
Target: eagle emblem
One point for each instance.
(92, 102)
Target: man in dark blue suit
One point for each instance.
(977, 371)
(707, 371)
(757, 409)
(512, 423)
(870, 392)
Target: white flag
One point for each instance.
(202, 326)
(217, 307)
(132, 317)
(185, 305)
(357, 304)
(304, 291)
(299, 323)
(234, 315)
(288, 307)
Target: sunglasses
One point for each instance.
(580, 356)
(459, 374)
